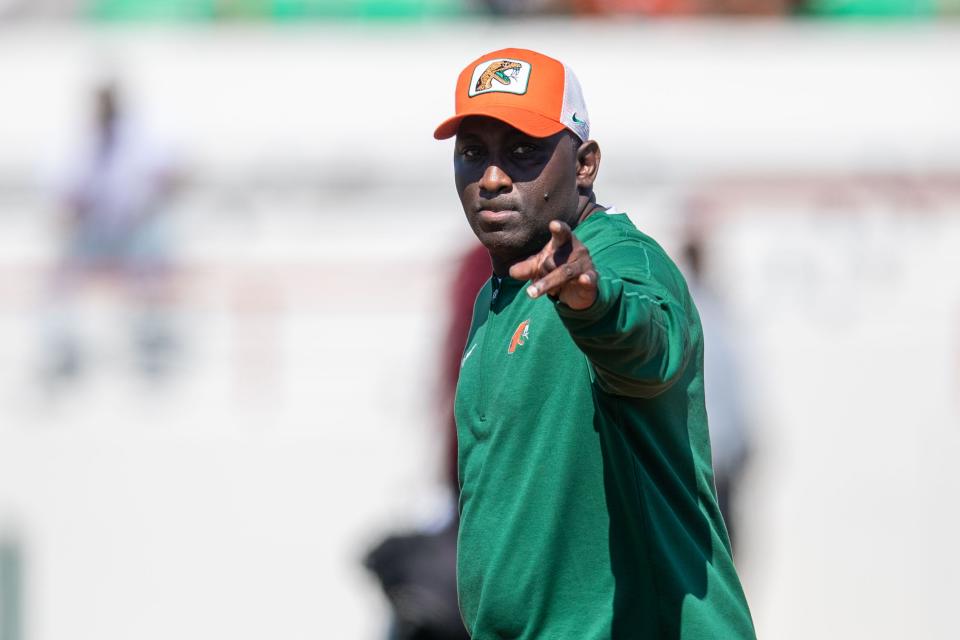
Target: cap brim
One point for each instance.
(532, 124)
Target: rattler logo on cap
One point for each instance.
(503, 75)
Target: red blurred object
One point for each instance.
(473, 272)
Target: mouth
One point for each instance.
(492, 217)
(492, 214)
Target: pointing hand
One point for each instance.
(563, 269)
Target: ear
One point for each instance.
(588, 164)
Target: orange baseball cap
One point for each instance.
(527, 90)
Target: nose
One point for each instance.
(495, 180)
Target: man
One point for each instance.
(587, 502)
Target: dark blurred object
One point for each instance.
(729, 442)
(418, 576)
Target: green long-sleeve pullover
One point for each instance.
(587, 507)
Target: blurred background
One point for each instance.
(233, 270)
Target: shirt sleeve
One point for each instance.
(637, 333)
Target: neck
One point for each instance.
(501, 267)
(588, 207)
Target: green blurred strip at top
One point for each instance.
(160, 10)
(278, 10)
(873, 8)
(294, 9)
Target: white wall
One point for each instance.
(317, 233)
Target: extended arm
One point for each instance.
(637, 332)
(627, 309)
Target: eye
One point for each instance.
(523, 150)
(471, 152)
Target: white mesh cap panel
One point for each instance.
(573, 113)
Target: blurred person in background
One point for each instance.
(114, 194)
(587, 505)
(472, 274)
(729, 442)
(418, 572)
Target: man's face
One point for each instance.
(502, 175)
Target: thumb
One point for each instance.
(525, 269)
